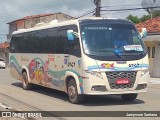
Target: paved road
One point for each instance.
(44, 99)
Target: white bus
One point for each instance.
(91, 56)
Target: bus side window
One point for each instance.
(39, 42)
(73, 46)
(30, 42)
(12, 44)
(17, 43)
(51, 36)
(61, 41)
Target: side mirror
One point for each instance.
(143, 33)
(71, 34)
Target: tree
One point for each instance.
(145, 17)
(134, 19)
(156, 13)
(149, 4)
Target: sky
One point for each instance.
(11, 10)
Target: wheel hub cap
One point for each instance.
(72, 91)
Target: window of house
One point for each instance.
(153, 52)
(149, 51)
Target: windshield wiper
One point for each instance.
(116, 53)
(135, 51)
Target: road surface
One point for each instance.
(13, 97)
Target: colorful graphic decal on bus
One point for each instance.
(14, 64)
(107, 65)
(69, 63)
(65, 60)
(111, 67)
(39, 70)
(50, 57)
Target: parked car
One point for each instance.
(2, 63)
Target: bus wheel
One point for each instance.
(129, 97)
(72, 92)
(26, 84)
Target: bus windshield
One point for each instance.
(113, 39)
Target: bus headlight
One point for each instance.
(95, 73)
(143, 72)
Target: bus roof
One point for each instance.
(39, 26)
(57, 23)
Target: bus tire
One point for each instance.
(129, 97)
(25, 84)
(73, 95)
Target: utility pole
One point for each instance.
(98, 8)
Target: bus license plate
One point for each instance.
(122, 81)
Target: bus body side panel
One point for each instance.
(47, 70)
(15, 66)
(36, 66)
(68, 66)
(78, 80)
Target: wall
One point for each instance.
(12, 27)
(150, 45)
(156, 62)
(20, 24)
(31, 22)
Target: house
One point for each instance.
(31, 21)
(152, 42)
(4, 51)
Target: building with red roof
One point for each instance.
(152, 42)
(152, 25)
(4, 45)
(4, 50)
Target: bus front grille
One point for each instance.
(114, 76)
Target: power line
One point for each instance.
(119, 11)
(127, 9)
(115, 13)
(119, 5)
(86, 13)
(76, 4)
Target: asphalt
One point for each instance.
(44, 99)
